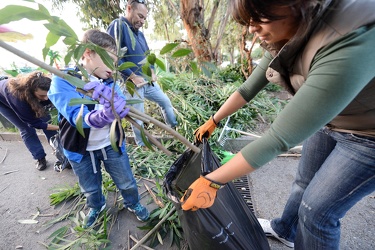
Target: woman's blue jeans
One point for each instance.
(336, 170)
(154, 94)
(117, 166)
(28, 134)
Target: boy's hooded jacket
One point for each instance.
(60, 94)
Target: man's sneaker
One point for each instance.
(140, 211)
(266, 226)
(41, 164)
(92, 216)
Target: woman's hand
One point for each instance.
(200, 194)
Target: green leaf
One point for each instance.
(130, 87)
(126, 65)
(74, 81)
(45, 52)
(160, 64)
(79, 50)
(68, 57)
(145, 141)
(211, 66)
(76, 101)
(146, 70)
(16, 12)
(104, 55)
(42, 9)
(61, 29)
(160, 238)
(151, 58)
(206, 71)
(113, 136)
(181, 52)
(79, 121)
(51, 39)
(11, 72)
(59, 232)
(70, 41)
(84, 73)
(168, 47)
(130, 32)
(133, 101)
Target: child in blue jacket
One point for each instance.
(86, 154)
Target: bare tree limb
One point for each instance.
(144, 239)
(221, 30)
(168, 129)
(150, 137)
(212, 17)
(136, 241)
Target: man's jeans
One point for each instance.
(90, 176)
(335, 172)
(154, 94)
(28, 134)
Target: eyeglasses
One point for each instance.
(138, 1)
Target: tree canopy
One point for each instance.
(204, 26)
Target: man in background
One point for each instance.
(135, 17)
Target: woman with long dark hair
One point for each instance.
(23, 101)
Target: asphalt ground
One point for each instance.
(24, 192)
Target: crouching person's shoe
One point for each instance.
(41, 164)
(266, 226)
(140, 211)
(92, 216)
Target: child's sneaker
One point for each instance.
(92, 216)
(140, 211)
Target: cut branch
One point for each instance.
(144, 239)
(168, 129)
(150, 137)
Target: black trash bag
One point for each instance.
(228, 223)
(62, 162)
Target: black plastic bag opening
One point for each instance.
(228, 224)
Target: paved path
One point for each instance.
(270, 191)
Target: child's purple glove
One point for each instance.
(100, 92)
(119, 105)
(100, 118)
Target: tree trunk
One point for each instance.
(192, 15)
(246, 53)
(231, 55)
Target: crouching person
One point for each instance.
(86, 154)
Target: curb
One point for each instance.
(8, 136)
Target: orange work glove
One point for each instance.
(205, 130)
(200, 194)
